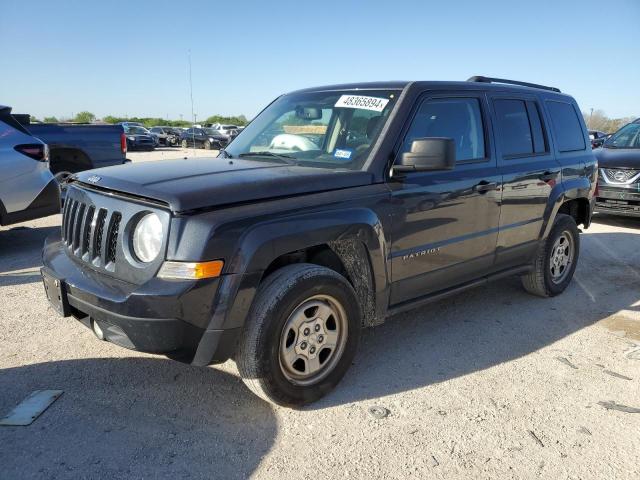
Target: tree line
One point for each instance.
(598, 120)
(88, 117)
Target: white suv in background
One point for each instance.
(228, 131)
(28, 189)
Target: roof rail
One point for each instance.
(481, 79)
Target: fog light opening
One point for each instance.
(96, 329)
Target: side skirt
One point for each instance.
(409, 305)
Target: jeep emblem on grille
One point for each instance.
(94, 179)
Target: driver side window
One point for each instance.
(456, 118)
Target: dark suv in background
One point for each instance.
(619, 181)
(334, 209)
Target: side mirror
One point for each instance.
(427, 154)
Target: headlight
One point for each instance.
(131, 138)
(211, 139)
(147, 238)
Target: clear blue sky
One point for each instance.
(130, 57)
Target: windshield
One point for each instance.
(136, 130)
(334, 129)
(627, 137)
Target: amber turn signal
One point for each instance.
(191, 270)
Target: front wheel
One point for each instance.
(300, 336)
(207, 145)
(556, 259)
(184, 144)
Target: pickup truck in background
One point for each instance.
(77, 147)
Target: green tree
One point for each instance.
(235, 120)
(50, 120)
(84, 117)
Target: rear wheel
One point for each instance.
(184, 144)
(207, 145)
(300, 336)
(556, 259)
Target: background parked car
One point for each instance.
(74, 148)
(167, 136)
(206, 138)
(28, 189)
(619, 179)
(227, 131)
(139, 138)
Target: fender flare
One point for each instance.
(341, 230)
(574, 189)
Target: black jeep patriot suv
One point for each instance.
(336, 208)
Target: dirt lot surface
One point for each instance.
(494, 383)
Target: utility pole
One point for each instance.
(590, 115)
(193, 115)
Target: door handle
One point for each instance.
(484, 186)
(546, 176)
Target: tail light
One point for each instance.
(123, 143)
(37, 151)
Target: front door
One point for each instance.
(445, 224)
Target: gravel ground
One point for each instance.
(494, 383)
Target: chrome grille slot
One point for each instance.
(70, 220)
(77, 226)
(86, 231)
(65, 219)
(112, 237)
(97, 239)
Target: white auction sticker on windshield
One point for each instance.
(360, 101)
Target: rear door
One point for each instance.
(445, 224)
(529, 171)
(573, 150)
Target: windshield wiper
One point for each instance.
(280, 156)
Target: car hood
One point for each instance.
(618, 157)
(199, 183)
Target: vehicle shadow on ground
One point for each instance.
(134, 418)
(488, 326)
(21, 249)
(617, 221)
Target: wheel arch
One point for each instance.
(573, 199)
(350, 242)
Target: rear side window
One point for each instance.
(519, 128)
(456, 118)
(566, 126)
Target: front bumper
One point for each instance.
(160, 316)
(619, 200)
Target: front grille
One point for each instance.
(83, 232)
(615, 175)
(95, 229)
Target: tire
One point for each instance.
(286, 296)
(184, 144)
(548, 278)
(207, 145)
